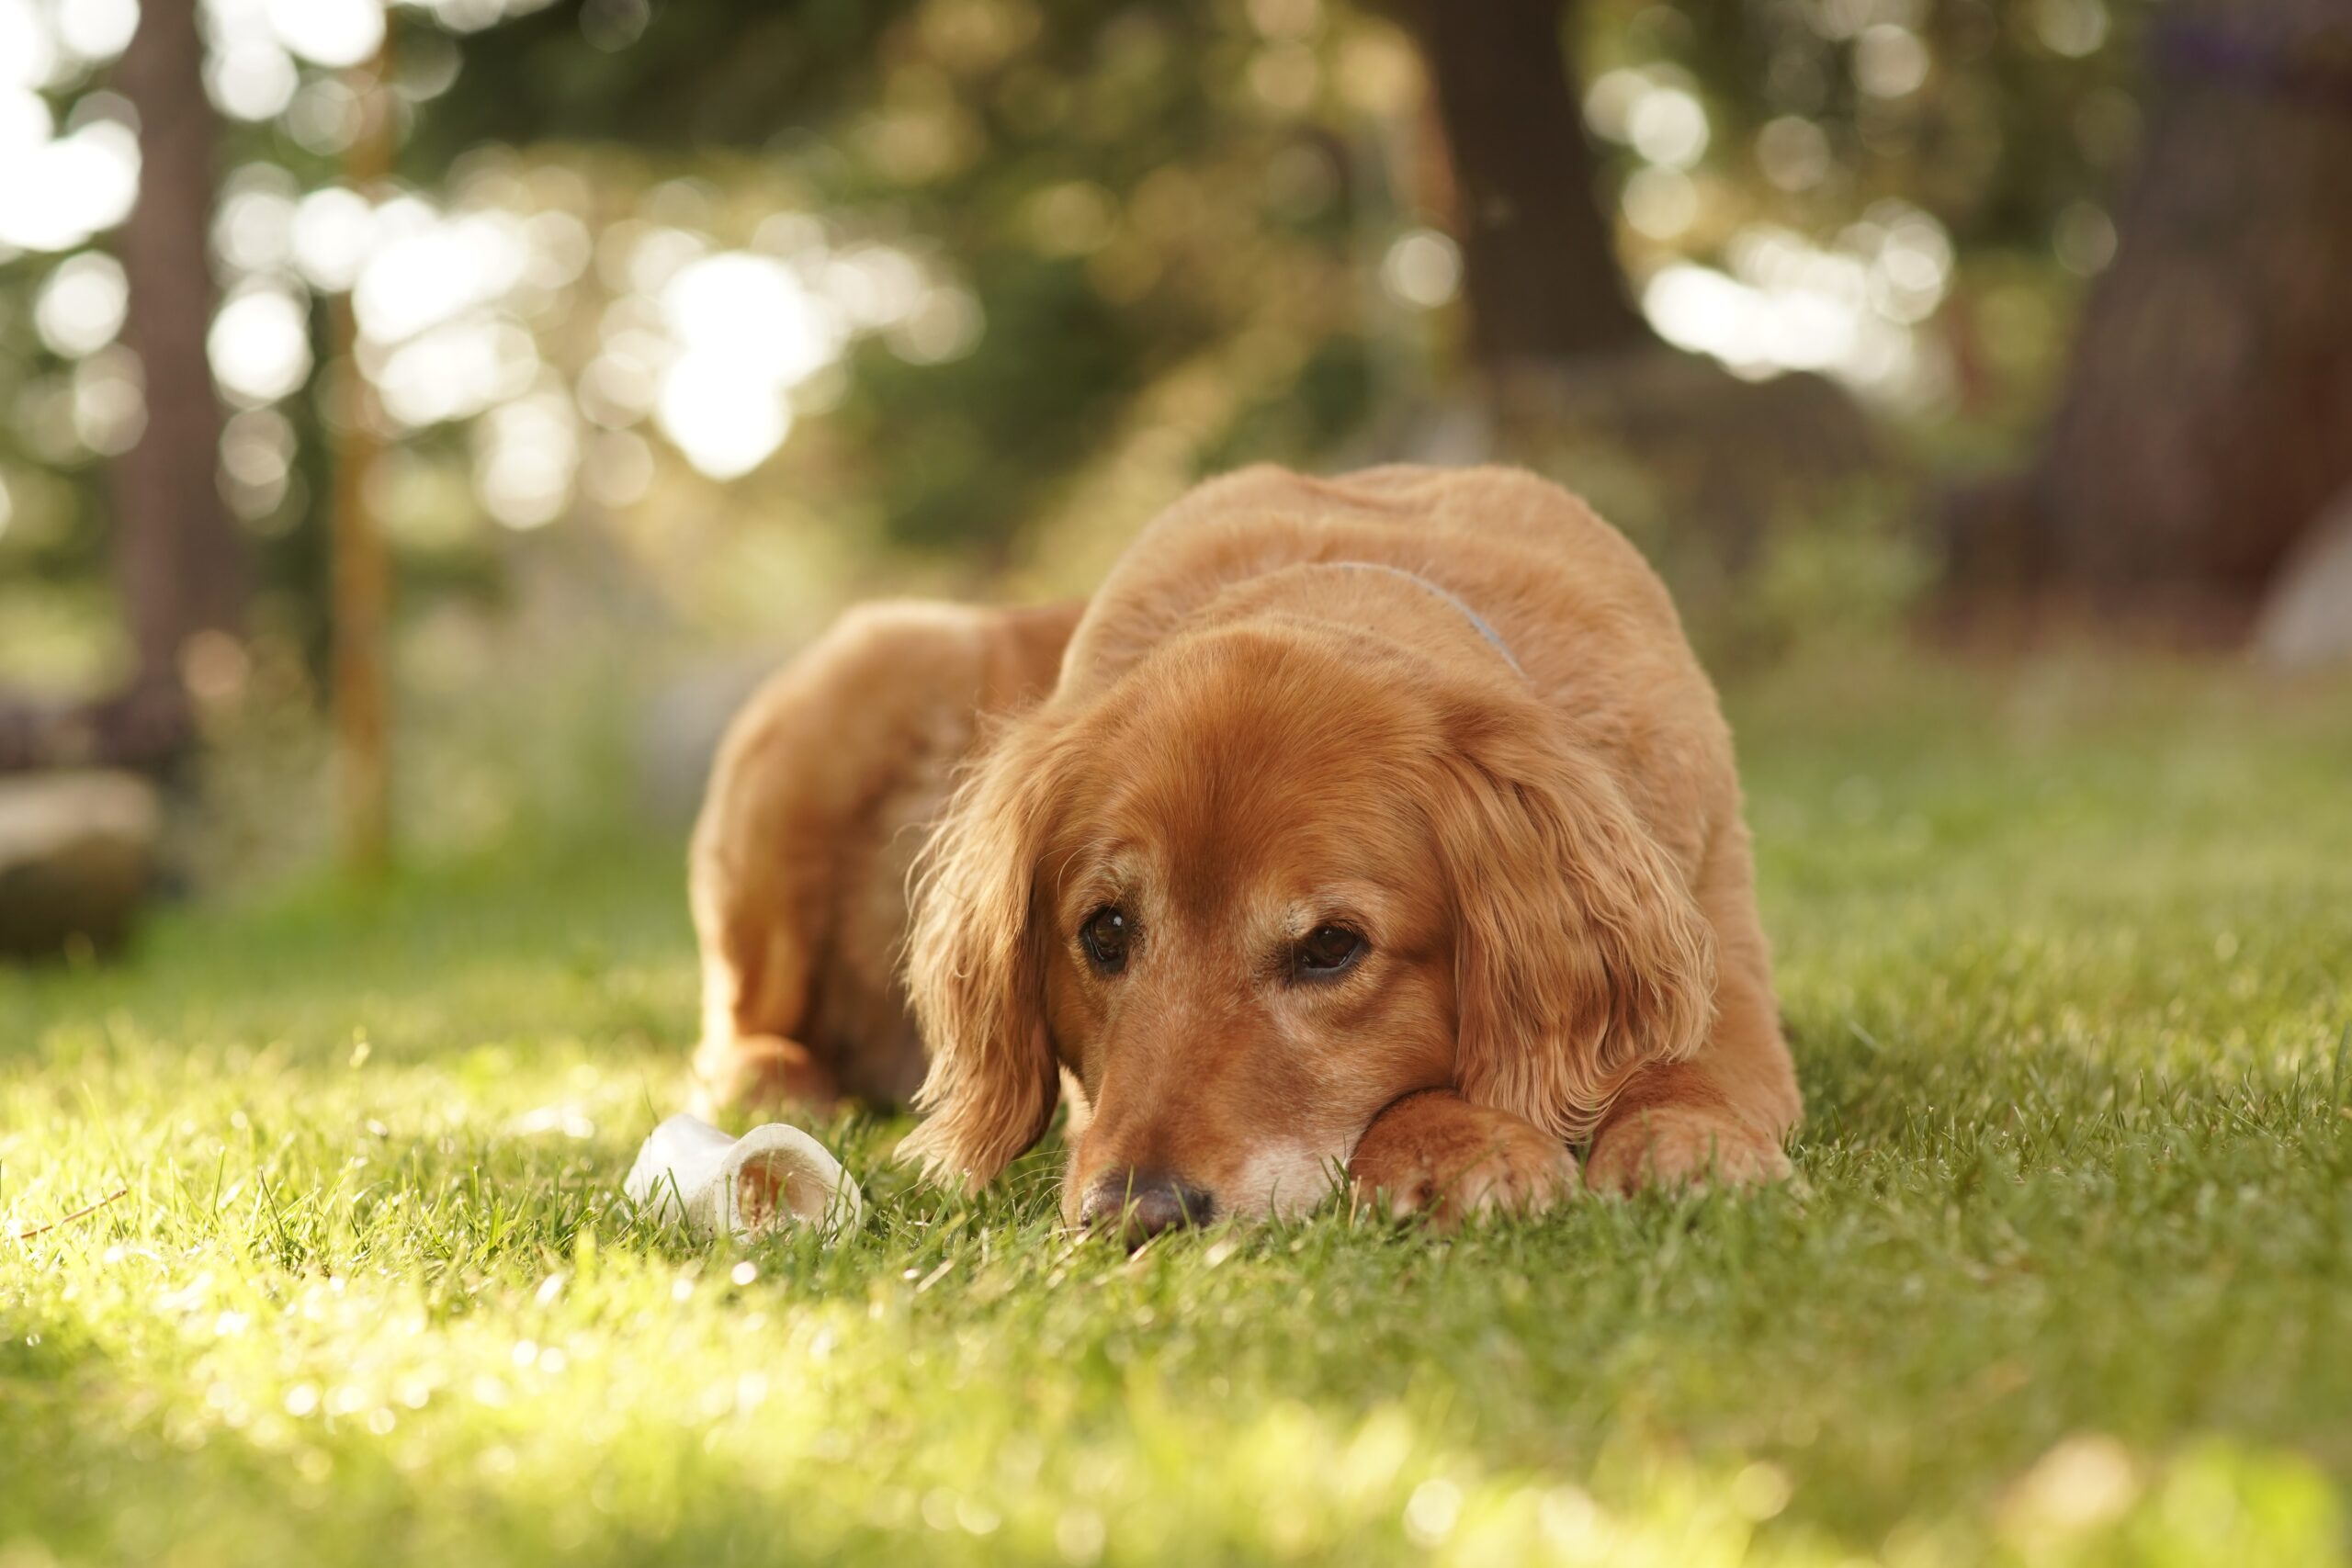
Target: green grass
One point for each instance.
(2067, 1275)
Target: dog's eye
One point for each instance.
(1105, 937)
(1326, 951)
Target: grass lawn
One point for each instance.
(2067, 1275)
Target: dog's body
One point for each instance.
(819, 799)
(1385, 822)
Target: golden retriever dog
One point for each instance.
(1382, 825)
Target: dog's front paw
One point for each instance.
(756, 1074)
(1677, 1145)
(1438, 1155)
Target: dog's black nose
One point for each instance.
(1139, 1204)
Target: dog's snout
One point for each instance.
(1139, 1204)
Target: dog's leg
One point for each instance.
(823, 788)
(756, 993)
(1434, 1152)
(1722, 1114)
(759, 920)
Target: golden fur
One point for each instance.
(1451, 712)
(819, 799)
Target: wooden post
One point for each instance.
(361, 590)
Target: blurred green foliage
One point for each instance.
(1171, 221)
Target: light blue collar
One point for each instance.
(1468, 613)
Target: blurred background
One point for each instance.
(420, 425)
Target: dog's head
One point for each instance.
(1263, 886)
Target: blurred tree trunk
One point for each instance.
(180, 559)
(1540, 270)
(1568, 379)
(179, 563)
(2206, 417)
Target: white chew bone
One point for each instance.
(772, 1177)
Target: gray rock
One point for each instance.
(2306, 621)
(77, 858)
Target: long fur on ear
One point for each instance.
(1580, 956)
(975, 969)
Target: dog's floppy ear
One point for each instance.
(975, 968)
(1579, 953)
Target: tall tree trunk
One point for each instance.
(1539, 263)
(2206, 417)
(179, 563)
(179, 560)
